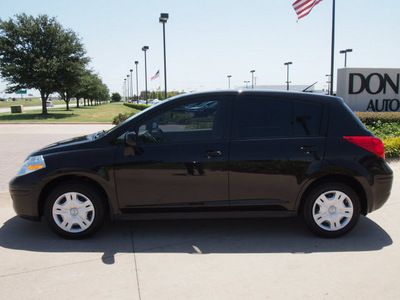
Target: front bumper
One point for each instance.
(25, 192)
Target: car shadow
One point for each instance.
(275, 235)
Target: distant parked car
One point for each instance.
(155, 101)
(49, 104)
(202, 109)
(227, 154)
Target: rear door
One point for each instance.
(276, 145)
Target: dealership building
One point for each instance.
(369, 89)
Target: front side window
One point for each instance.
(190, 121)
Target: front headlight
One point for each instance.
(33, 164)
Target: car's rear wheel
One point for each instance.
(332, 210)
(74, 210)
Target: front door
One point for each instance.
(180, 161)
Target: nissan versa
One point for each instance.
(215, 154)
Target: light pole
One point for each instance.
(287, 73)
(252, 79)
(125, 88)
(127, 81)
(246, 82)
(163, 19)
(229, 81)
(137, 82)
(329, 81)
(131, 83)
(145, 48)
(345, 55)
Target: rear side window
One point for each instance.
(257, 117)
(307, 118)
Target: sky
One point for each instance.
(210, 39)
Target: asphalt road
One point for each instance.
(190, 259)
(8, 109)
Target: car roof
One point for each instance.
(313, 97)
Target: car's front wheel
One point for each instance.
(332, 210)
(74, 210)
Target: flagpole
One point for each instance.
(332, 45)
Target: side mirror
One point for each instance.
(131, 139)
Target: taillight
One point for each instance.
(369, 143)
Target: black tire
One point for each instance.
(82, 217)
(332, 210)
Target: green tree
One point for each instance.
(38, 53)
(98, 91)
(71, 84)
(160, 95)
(116, 97)
(92, 88)
(170, 94)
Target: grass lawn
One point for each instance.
(98, 113)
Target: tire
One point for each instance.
(74, 210)
(332, 210)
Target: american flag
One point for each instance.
(304, 7)
(155, 76)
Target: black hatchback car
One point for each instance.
(215, 154)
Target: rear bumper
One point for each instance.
(380, 191)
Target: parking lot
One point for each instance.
(190, 259)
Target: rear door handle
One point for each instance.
(211, 154)
(308, 149)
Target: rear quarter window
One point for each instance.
(307, 118)
(258, 117)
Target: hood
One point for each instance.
(69, 144)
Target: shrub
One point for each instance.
(384, 130)
(137, 106)
(122, 117)
(368, 118)
(392, 147)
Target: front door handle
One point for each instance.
(211, 154)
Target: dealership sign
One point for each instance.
(369, 89)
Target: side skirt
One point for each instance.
(206, 215)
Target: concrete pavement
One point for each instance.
(190, 259)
